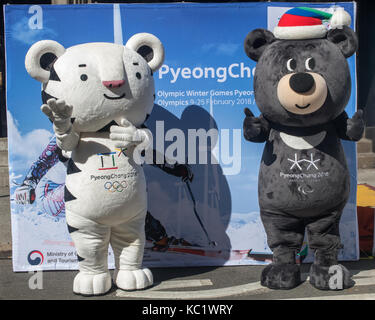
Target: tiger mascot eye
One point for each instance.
(98, 96)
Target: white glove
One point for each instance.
(126, 135)
(60, 114)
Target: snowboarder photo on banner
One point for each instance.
(48, 192)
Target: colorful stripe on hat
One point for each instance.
(289, 20)
(302, 23)
(310, 12)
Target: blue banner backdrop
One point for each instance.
(204, 83)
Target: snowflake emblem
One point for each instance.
(297, 163)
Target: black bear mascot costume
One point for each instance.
(302, 85)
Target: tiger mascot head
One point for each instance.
(104, 82)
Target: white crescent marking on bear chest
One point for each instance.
(305, 142)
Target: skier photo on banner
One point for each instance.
(44, 185)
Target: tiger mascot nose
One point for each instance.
(113, 83)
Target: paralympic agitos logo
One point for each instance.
(35, 258)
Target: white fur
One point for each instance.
(300, 32)
(32, 60)
(303, 143)
(340, 18)
(141, 39)
(109, 186)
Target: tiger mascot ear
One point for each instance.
(40, 57)
(149, 47)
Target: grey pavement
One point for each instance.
(5, 229)
(366, 176)
(193, 283)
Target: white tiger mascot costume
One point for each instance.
(98, 95)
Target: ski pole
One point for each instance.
(213, 243)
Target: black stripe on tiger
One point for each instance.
(46, 97)
(80, 258)
(67, 195)
(53, 75)
(107, 127)
(72, 168)
(60, 155)
(71, 229)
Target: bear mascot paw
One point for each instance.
(327, 274)
(281, 276)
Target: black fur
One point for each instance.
(332, 277)
(46, 96)
(146, 52)
(281, 276)
(47, 60)
(60, 155)
(302, 189)
(72, 168)
(71, 229)
(80, 258)
(272, 66)
(53, 75)
(67, 195)
(107, 127)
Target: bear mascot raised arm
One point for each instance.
(302, 85)
(98, 95)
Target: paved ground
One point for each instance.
(237, 283)
(366, 176)
(5, 230)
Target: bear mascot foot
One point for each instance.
(92, 284)
(327, 274)
(334, 277)
(133, 279)
(281, 276)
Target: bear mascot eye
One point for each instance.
(291, 64)
(84, 77)
(310, 64)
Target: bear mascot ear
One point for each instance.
(256, 42)
(149, 47)
(345, 38)
(39, 58)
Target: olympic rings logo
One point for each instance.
(115, 186)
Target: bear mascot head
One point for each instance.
(302, 85)
(98, 95)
